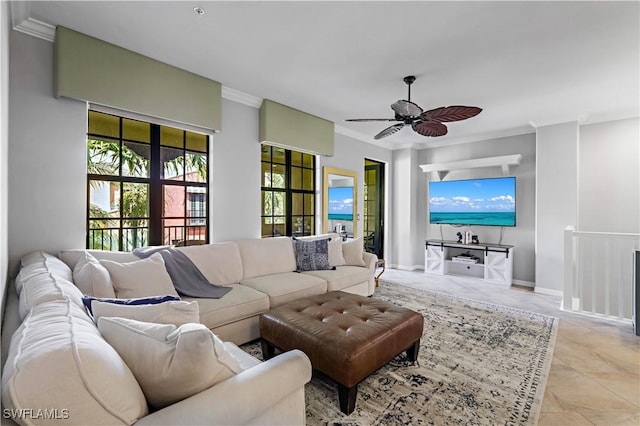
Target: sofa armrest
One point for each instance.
(242, 397)
(370, 260)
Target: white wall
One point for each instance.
(235, 175)
(523, 235)
(349, 154)
(609, 177)
(47, 155)
(5, 30)
(556, 200)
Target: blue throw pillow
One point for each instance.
(154, 300)
(312, 255)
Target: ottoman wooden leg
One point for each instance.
(412, 351)
(268, 350)
(347, 397)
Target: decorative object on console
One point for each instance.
(425, 123)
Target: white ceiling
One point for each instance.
(526, 64)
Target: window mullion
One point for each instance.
(155, 189)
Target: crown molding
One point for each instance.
(22, 22)
(560, 120)
(241, 97)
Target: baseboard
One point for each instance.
(523, 283)
(548, 291)
(407, 268)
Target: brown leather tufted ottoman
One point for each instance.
(346, 336)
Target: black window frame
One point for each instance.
(156, 230)
(290, 228)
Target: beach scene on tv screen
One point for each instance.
(473, 202)
(341, 203)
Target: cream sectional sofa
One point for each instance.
(260, 273)
(57, 366)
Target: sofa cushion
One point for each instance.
(58, 359)
(220, 263)
(92, 278)
(72, 256)
(353, 252)
(41, 283)
(288, 286)
(343, 277)
(41, 263)
(312, 255)
(266, 256)
(240, 303)
(171, 363)
(141, 278)
(174, 312)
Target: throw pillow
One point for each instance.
(92, 278)
(312, 255)
(175, 312)
(87, 300)
(336, 258)
(352, 252)
(170, 363)
(141, 278)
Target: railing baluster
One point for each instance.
(598, 273)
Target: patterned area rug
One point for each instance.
(479, 364)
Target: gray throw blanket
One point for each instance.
(187, 278)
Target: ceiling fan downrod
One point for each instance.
(409, 80)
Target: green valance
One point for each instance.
(293, 129)
(99, 72)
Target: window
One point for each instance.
(288, 192)
(146, 184)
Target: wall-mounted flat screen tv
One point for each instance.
(340, 203)
(490, 202)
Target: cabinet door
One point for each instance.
(434, 260)
(495, 268)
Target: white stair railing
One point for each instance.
(598, 273)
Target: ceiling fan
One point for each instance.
(426, 123)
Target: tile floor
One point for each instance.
(595, 371)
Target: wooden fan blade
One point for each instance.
(406, 109)
(450, 113)
(389, 131)
(429, 128)
(371, 119)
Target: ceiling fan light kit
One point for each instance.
(425, 123)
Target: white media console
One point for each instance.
(492, 263)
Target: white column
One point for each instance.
(556, 200)
(404, 235)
